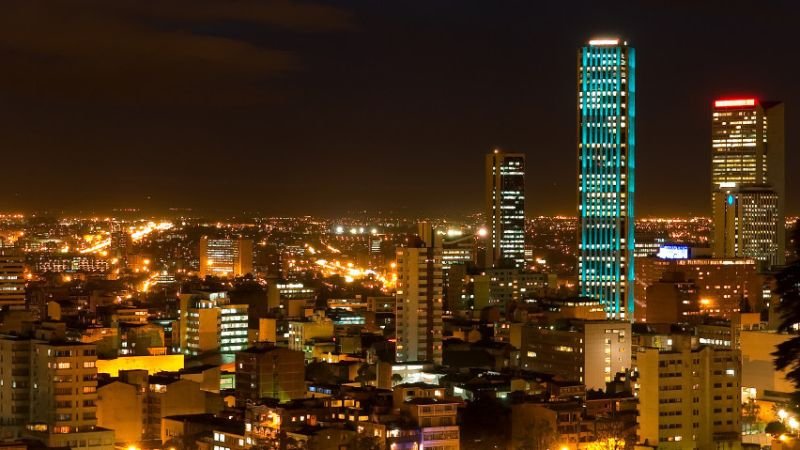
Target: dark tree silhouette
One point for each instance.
(366, 373)
(362, 442)
(396, 379)
(787, 281)
(775, 428)
(320, 372)
(485, 425)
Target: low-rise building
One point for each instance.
(590, 352)
(267, 371)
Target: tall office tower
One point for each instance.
(225, 257)
(747, 149)
(505, 209)
(606, 150)
(12, 277)
(747, 223)
(419, 299)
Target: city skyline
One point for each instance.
(273, 108)
(453, 225)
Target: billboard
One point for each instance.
(672, 251)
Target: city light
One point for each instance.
(248, 227)
(97, 247)
(735, 102)
(138, 233)
(602, 42)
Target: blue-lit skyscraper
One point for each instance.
(606, 149)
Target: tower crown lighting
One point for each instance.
(734, 102)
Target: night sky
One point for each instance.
(287, 107)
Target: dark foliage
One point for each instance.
(787, 356)
(485, 425)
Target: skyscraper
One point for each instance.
(747, 224)
(747, 155)
(606, 149)
(225, 257)
(419, 299)
(505, 209)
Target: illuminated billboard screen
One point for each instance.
(673, 252)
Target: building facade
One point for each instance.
(505, 209)
(747, 152)
(225, 258)
(689, 398)
(302, 334)
(208, 322)
(266, 371)
(606, 162)
(419, 302)
(748, 224)
(722, 284)
(48, 392)
(588, 352)
(12, 277)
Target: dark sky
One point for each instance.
(290, 107)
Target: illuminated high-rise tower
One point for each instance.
(747, 160)
(225, 258)
(505, 209)
(606, 149)
(419, 298)
(746, 224)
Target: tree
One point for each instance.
(485, 425)
(396, 379)
(363, 442)
(294, 444)
(366, 373)
(182, 442)
(320, 372)
(787, 282)
(775, 428)
(750, 412)
(539, 436)
(612, 434)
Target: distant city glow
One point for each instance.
(142, 231)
